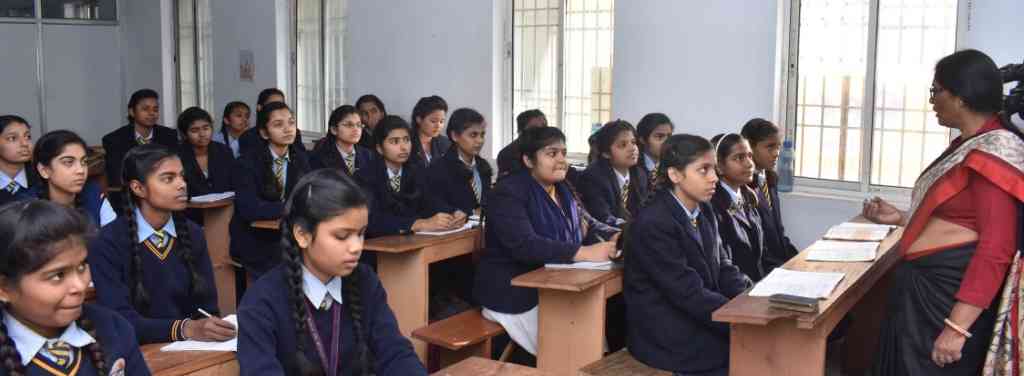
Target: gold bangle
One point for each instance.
(957, 328)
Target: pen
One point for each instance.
(207, 314)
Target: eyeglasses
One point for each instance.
(933, 91)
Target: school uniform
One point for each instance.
(367, 141)
(327, 154)
(739, 226)
(647, 165)
(457, 186)
(602, 189)
(259, 249)
(116, 144)
(224, 138)
(165, 276)
(66, 354)
(23, 186)
(266, 345)
(251, 142)
(677, 273)
(438, 148)
(510, 159)
(89, 200)
(217, 177)
(779, 248)
(394, 210)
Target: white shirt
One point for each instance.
(623, 179)
(18, 178)
(316, 291)
(393, 174)
(649, 162)
(736, 197)
(150, 138)
(694, 214)
(145, 230)
(30, 343)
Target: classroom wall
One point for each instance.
(245, 25)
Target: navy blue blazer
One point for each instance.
(117, 143)
(450, 183)
(115, 336)
(510, 159)
(326, 155)
(267, 343)
(675, 277)
(90, 200)
(167, 282)
(250, 141)
(439, 146)
(599, 189)
(394, 212)
(741, 230)
(258, 249)
(35, 184)
(220, 161)
(513, 247)
(780, 248)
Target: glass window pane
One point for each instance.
(334, 53)
(309, 66)
(535, 49)
(188, 92)
(18, 8)
(104, 10)
(587, 76)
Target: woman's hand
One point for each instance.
(878, 210)
(598, 252)
(439, 222)
(947, 347)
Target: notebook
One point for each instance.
(842, 251)
(469, 224)
(863, 232)
(212, 197)
(817, 285)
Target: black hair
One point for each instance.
(6, 120)
(523, 119)
(137, 97)
(139, 163)
(974, 77)
(423, 107)
(319, 196)
(48, 147)
(604, 138)
(533, 140)
(271, 191)
(265, 94)
(386, 125)
(190, 116)
(339, 114)
(757, 130)
(32, 233)
(723, 144)
(376, 102)
(648, 124)
(462, 119)
(228, 109)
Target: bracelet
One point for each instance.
(957, 328)
(182, 332)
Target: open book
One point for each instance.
(861, 232)
(842, 251)
(212, 197)
(815, 285)
(469, 224)
(190, 345)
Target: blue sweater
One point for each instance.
(267, 343)
(167, 282)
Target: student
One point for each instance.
(151, 264)
(207, 164)
(251, 141)
(460, 180)
(142, 128)
(60, 160)
(399, 188)
(735, 203)
(46, 327)
(613, 185)
(509, 157)
(262, 180)
(677, 270)
(232, 125)
(321, 312)
(766, 141)
(372, 111)
(652, 131)
(16, 181)
(341, 149)
(533, 219)
(428, 142)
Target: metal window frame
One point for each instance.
(294, 39)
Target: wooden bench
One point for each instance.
(477, 366)
(620, 364)
(464, 335)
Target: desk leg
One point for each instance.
(570, 329)
(404, 277)
(780, 348)
(216, 222)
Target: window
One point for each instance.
(104, 10)
(319, 58)
(18, 9)
(562, 64)
(194, 37)
(858, 101)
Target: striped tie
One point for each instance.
(61, 352)
(350, 162)
(326, 303)
(625, 194)
(476, 187)
(12, 187)
(279, 164)
(396, 183)
(654, 172)
(766, 193)
(141, 140)
(160, 243)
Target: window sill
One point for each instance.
(898, 197)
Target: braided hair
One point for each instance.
(140, 162)
(32, 233)
(320, 196)
(47, 149)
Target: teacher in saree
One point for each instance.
(946, 314)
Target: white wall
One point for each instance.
(243, 25)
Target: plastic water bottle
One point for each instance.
(786, 167)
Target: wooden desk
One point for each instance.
(477, 366)
(267, 224)
(767, 341)
(571, 315)
(192, 363)
(403, 262)
(216, 220)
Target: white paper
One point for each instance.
(858, 232)
(815, 285)
(190, 345)
(842, 251)
(469, 224)
(604, 265)
(212, 197)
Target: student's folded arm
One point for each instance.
(732, 280)
(394, 354)
(508, 216)
(257, 343)
(252, 207)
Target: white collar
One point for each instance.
(736, 197)
(19, 178)
(649, 162)
(694, 214)
(29, 343)
(342, 152)
(150, 137)
(316, 290)
(145, 230)
(471, 164)
(275, 156)
(623, 179)
(392, 174)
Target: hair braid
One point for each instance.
(94, 349)
(293, 260)
(353, 299)
(9, 353)
(184, 245)
(139, 297)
